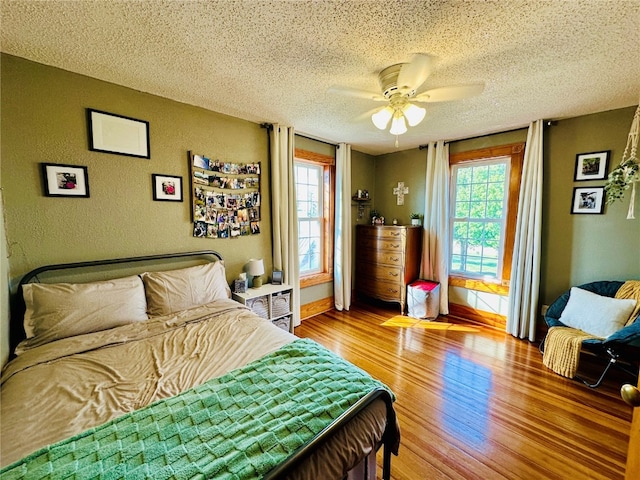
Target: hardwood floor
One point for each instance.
(476, 403)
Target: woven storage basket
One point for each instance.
(280, 304)
(284, 323)
(260, 306)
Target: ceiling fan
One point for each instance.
(399, 84)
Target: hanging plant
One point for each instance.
(627, 174)
(621, 179)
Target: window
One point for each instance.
(484, 197)
(314, 177)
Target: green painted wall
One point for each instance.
(408, 166)
(44, 120)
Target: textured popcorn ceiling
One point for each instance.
(273, 61)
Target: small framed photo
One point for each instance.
(276, 277)
(167, 188)
(111, 133)
(588, 200)
(65, 180)
(591, 166)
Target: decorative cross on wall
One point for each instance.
(400, 191)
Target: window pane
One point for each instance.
(477, 210)
(480, 174)
(462, 209)
(497, 172)
(464, 176)
(463, 193)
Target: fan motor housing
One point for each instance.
(388, 79)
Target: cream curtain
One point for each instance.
(525, 268)
(342, 241)
(435, 243)
(284, 211)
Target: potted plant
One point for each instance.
(415, 218)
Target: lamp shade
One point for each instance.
(398, 125)
(255, 267)
(381, 118)
(414, 114)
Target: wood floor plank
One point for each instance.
(476, 403)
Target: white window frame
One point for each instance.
(327, 164)
(503, 160)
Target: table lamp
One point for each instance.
(255, 268)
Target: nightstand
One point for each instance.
(271, 302)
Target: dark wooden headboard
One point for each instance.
(108, 269)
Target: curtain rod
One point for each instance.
(317, 140)
(546, 123)
(269, 126)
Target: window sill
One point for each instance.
(310, 280)
(479, 285)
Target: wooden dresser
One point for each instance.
(387, 260)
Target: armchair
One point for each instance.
(623, 344)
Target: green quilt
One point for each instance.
(237, 426)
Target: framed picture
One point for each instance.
(276, 277)
(167, 188)
(588, 200)
(110, 133)
(65, 180)
(592, 166)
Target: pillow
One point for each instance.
(595, 314)
(175, 290)
(59, 310)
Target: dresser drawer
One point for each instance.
(378, 272)
(383, 257)
(385, 233)
(381, 243)
(388, 291)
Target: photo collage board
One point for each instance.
(225, 197)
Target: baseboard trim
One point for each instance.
(478, 316)
(314, 308)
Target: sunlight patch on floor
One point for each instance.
(410, 322)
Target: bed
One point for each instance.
(157, 373)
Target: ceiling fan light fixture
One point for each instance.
(381, 118)
(414, 114)
(398, 125)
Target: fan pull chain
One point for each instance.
(397, 142)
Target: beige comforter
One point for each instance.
(54, 391)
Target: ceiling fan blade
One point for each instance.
(454, 92)
(414, 73)
(366, 116)
(356, 92)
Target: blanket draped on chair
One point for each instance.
(562, 350)
(562, 345)
(631, 289)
